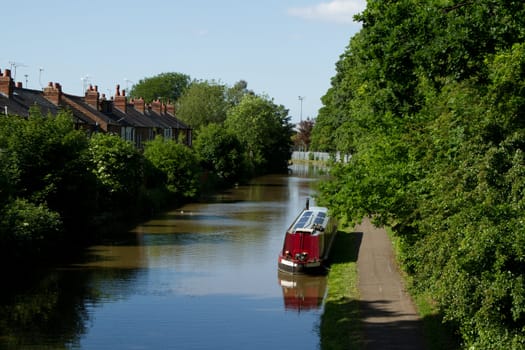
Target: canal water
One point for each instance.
(202, 276)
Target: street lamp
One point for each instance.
(301, 98)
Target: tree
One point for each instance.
(203, 103)
(164, 86)
(235, 93)
(302, 138)
(46, 162)
(429, 99)
(220, 152)
(177, 163)
(265, 131)
(119, 169)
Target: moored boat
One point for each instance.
(308, 241)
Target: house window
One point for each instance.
(128, 133)
(167, 133)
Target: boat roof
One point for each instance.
(309, 218)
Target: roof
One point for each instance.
(23, 100)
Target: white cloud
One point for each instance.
(340, 11)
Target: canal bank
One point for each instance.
(202, 276)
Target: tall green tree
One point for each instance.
(221, 152)
(164, 86)
(428, 98)
(46, 188)
(203, 103)
(265, 131)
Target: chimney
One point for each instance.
(6, 83)
(53, 92)
(170, 109)
(140, 105)
(19, 85)
(156, 106)
(120, 100)
(92, 96)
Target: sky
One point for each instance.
(285, 49)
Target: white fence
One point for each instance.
(323, 156)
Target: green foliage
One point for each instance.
(264, 130)
(177, 163)
(118, 168)
(428, 98)
(116, 163)
(164, 86)
(220, 152)
(26, 229)
(44, 161)
(203, 103)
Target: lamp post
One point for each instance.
(301, 98)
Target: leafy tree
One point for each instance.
(428, 98)
(177, 163)
(164, 86)
(45, 162)
(118, 167)
(302, 138)
(220, 152)
(203, 103)
(265, 131)
(235, 93)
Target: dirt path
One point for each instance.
(390, 320)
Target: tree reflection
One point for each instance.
(50, 310)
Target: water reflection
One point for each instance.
(301, 292)
(199, 276)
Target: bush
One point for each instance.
(178, 165)
(28, 230)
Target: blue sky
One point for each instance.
(282, 48)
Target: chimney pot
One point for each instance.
(120, 101)
(170, 109)
(139, 105)
(92, 97)
(53, 92)
(6, 83)
(156, 106)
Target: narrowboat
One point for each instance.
(307, 242)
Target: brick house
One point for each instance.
(132, 120)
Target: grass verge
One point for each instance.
(340, 327)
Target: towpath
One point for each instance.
(390, 320)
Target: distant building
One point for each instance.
(133, 120)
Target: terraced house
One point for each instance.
(132, 119)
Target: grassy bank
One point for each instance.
(340, 323)
(340, 326)
(438, 335)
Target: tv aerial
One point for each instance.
(15, 65)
